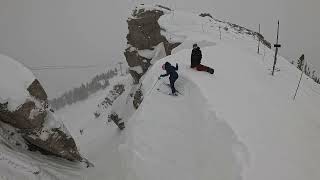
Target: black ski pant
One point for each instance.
(172, 81)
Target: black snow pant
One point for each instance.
(172, 81)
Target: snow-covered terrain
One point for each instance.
(240, 123)
(14, 80)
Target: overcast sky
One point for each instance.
(87, 32)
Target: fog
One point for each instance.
(81, 32)
(63, 32)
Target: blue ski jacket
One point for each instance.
(171, 70)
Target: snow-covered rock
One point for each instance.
(24, 105)
(14, 79)
(146, 44)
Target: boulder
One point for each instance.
(24, 105)
(53, 140)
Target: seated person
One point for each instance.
(196, 57)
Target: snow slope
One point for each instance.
(17, 163)
(277, 136)
(240, 123)
(98, 137)
(180, 138)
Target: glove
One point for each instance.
(159, 77)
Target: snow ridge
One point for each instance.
(181, 138)
(14, 82)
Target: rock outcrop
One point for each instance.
(35, 122)
(145, 45)
(145, 42)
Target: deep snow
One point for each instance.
(14, 80)
(240, 123)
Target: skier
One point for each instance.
(196, 57)
(171, 70)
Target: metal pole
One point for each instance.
(294, 97)
(275, 61)
(153, 87)
(276, 53)
(220, 31)
(259, 41)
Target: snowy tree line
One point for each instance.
(97, 83)
(302, 65)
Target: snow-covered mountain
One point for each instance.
(240, 123)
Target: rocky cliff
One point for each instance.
(145, 44)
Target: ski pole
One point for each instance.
(153, 86)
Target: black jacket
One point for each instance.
(196, 57)
(170, 71)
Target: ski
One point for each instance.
(167, 93)
(170, 88)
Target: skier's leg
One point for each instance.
(201, 67)
(205, 68)
(172, 81)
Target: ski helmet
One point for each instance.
(195, 45)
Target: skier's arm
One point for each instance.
(164, 75)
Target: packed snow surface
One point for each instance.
(239, 124)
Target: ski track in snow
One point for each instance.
(22, 164)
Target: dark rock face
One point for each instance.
(144, 30)
(57, 141)
(21, 118)
(134, 60)
(28, 115)
(30, 118)
(138, 98)
(115, 118)
(117, 91)
(36, 90)
(144, 33)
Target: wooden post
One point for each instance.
(259, 40)
(294, 97)
(277, 45)
(264, 53)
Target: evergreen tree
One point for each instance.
(305, 69)
(308, 72)
(313, 74)
(100, 81)
(300, 62)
